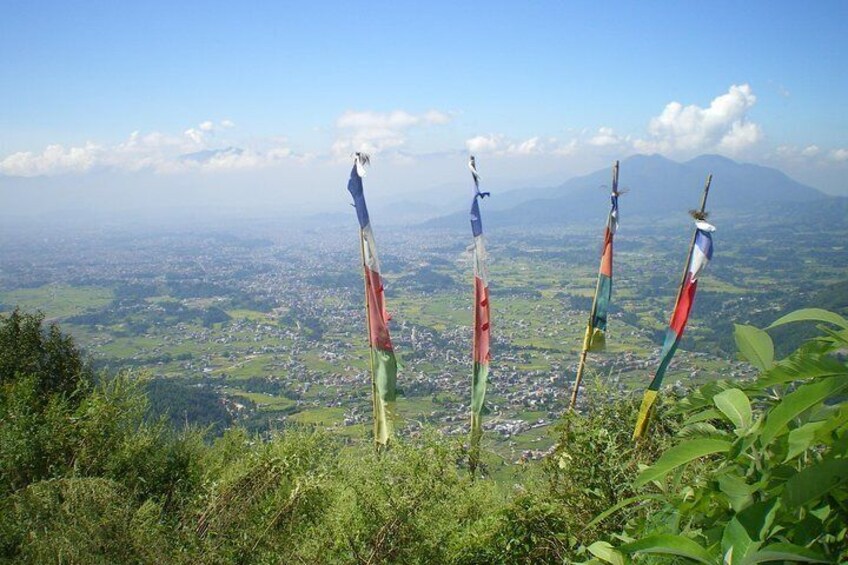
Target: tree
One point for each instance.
(49, 357)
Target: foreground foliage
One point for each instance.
(740, 472)
(760, 473)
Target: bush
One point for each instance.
(84, 520)
(408, 504)
(50, 357)
(768, 467)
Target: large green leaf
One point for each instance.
(802, 365)
(735, 405)
(736, 543)
(758, 518)
(680, 455)
(703, 430)
(700, 398)
(623, 504)
(785, 552)
(607, 553)
(814, 482)
(702, 416)
(755, 345)
(801, 438)
(836, 419)
(799, 401)
(738, 492)
(838, 337)
(668, 544)
(811, 315)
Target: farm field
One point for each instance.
(278, 335)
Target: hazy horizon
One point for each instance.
(123, 110)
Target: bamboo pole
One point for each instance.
(699, 215)
(587, 338)
(473, 453)
(370, 345)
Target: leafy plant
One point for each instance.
(761, 472)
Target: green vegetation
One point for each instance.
(760, 470)
(59, 300)
(735, 472)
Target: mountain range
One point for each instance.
(656, 187)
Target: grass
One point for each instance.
(58, 301)
(266, 402)
(415, 407)
(326, 417)
(251, 315)
(258, 366)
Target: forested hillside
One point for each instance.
(740, 472)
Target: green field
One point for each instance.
(58, 301)
(323, 417)
(265, 402)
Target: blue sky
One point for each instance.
(283, 92)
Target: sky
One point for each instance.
(146, 104)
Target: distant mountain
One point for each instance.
(208, 154)
(656, 188)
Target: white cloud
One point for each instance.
(155, 151)
(605, 137)
(810, 151)
(839, 155)
(723, 126)
(233, 158)
(195, 135)
(809, 155)
(491, 143)
(740, 136)
(54, 159)
(205, 130)
(499, 144)
(527, 147)
(678, 131)
(374, 132)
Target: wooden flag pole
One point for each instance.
(587, 338)
(698, 215)
(370, 345)
(474, 448)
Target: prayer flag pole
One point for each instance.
(480, 352)
(593, 331)
(382, 360)
(370, 347)
(701, 238)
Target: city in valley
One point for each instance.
(264, 326)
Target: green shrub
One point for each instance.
(760, 473)
(260, 499)
(404, 505)
(85, 520)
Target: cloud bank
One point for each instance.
(678, 131)
(435, 138)
(376, 132)
(199, 148)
